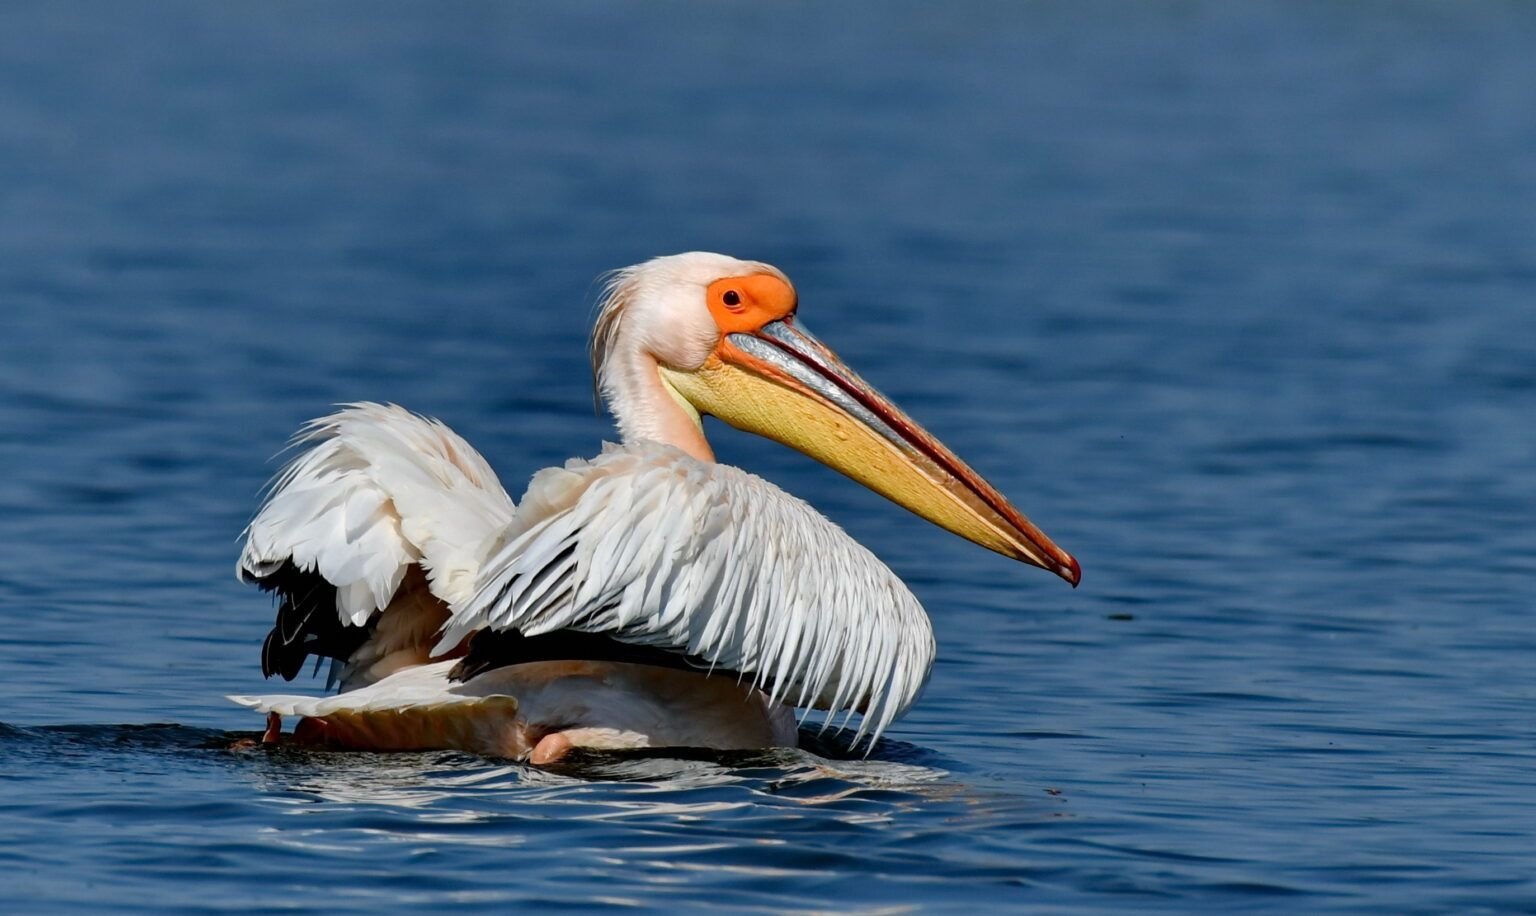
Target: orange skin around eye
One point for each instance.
(761, 298)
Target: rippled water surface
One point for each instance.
(1237, 300)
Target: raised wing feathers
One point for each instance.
(379, 490)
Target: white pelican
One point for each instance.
(649, 597)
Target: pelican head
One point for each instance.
(697, 334)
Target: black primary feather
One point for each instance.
(307, 623)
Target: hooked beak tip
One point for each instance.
(1070, 571)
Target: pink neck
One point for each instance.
(645, 409)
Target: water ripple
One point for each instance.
(1233, 298)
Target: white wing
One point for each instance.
(653, 547)
(381, 490)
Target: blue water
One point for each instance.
(1236, 300)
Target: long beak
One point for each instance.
(783, 383)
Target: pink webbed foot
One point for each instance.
(551, 748)
(274, 732)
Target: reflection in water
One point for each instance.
(1237, 294)
(653, 789)
(421, 780)
(643, 820)
(721, 795)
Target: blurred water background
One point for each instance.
(1235, 299)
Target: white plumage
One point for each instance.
(643, 543)
(396, 526)
(379, 490)
(657, 548)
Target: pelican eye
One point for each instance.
(732, 299)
